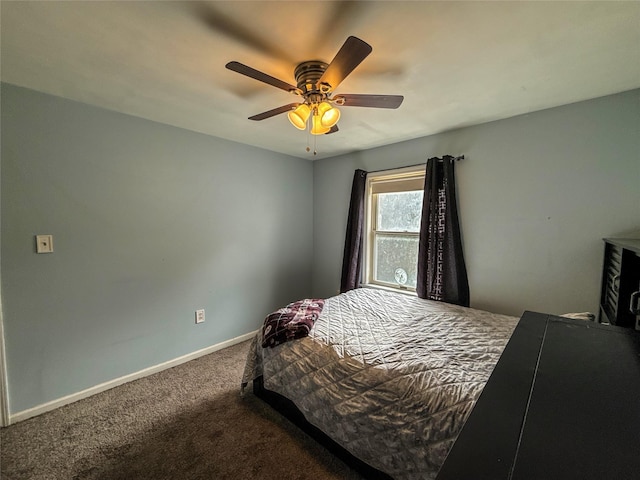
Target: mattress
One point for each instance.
(388, 376)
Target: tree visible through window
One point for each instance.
(395, 209)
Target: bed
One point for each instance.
(388, 377)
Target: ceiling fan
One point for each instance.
(316, 82)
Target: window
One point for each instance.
(394, 210)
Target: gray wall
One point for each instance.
(150, 223)
(537, 193)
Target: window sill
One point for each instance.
(389, 289)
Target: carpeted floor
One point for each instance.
(185, 423)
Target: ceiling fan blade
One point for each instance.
(376, 101)
(260, 76)
(274, 112)
(333, 129)
(341, 16)
(223, 24)
(350, 55)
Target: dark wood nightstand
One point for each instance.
(561, 404)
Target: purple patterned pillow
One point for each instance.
(291, 322)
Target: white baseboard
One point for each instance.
(74, 397)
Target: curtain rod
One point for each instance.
(461, 157)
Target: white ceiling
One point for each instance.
(456, 63)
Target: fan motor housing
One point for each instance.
(307, 75)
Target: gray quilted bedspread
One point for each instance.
(390, 377)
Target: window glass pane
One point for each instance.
(400, 212)
(396, 258)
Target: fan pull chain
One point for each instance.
(315, 137)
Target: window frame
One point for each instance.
(397, 180)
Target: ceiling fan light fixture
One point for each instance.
(329, 115)
(316, 126)
(299, 116)
(315, 83)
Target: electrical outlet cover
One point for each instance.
(44, 243)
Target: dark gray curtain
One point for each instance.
(442, 274)
(352, 259)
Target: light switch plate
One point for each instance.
(44, 243)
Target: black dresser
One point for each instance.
(561, 404)
(619, 298)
